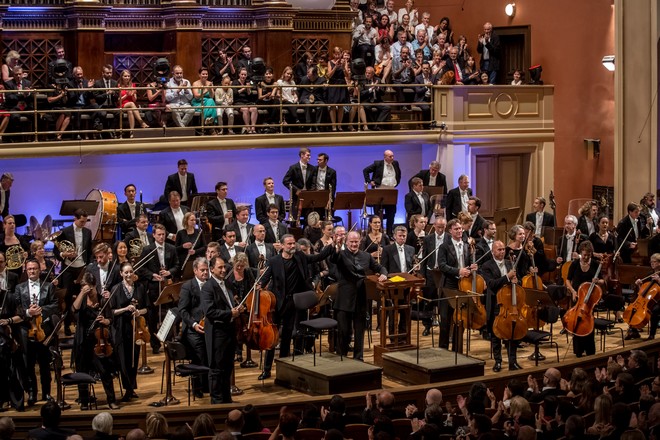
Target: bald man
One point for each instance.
(551, 386)
(384, 174)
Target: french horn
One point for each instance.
(15, 256)
(65, 246)
(135, 246)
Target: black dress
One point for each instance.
(337, 95)
(576, 276)
(11, 362)
(369, 246)
(182, 237)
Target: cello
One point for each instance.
(258, 331)
(579, 320)
(638, 312)
(474, 283)
(532, 281)
(510, 324)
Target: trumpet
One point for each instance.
(15, 256)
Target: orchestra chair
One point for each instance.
(605, 326)
(539, 337)
(75, 379)
(306, 301)
(177, 353)
(310, 434)
(357, 431)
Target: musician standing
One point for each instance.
(639, 230)
(299, 177)
(398, 257)
(182, 182)
(128, 211)
(387, 174)
(485, 243)
(432, 243)
(11, 385)
(241, 226)
(91, 316)
(324, 177)
(220, 211)
(262, 202)
(648, 214)
(140, 232)
(453, 262)
(569, 241)
(477, 228)
(259, 251)
(655, 311)
(274, 228)
(128, 300)
(431, 177)
(159, 263)
(106, 273)
(36, 299)
(417, 201)
(498, 272)
(189, 240)
(350, 305)
(6, 182)
(191, 313)
(172, 216)
(73, 260)
(288, 273)
(228, 250)
(583, 270)
(220, 310)
(457, 198)
(539, 217)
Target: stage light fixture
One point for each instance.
(608, 62)
(510, 9)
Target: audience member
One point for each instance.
(313, 92)
(444, 28)
(252, 421)
(224, 99)
(403, 74)
(409, 9)
(156, 426)
(12, 60)
(224, 65)
(203, 425)
(245, 99)
(364, 41)
(425, 25)
(127, 101)
(51, 415)
(179, 96)
(489, 48)
(7, 428)
(136, 434)
(102, 426)
(234, 422)
(245, 61)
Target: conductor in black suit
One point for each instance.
(182, 182)
(299, 177)
(431, 177)
(220, 211)
(172, 216)
(457, 198)
(539, 217)
(160, 263)
(191, 313)
(453, 262)
(220, 310)
(269, 197)
(128, 211)
(417, 201)
(384, 173)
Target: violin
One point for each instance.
(256, 329)
(35, 331)
(102, 348)
(532, 281)
(638, 312)
(510, 324)
(142, 335)
(579, 320)
(475, 316)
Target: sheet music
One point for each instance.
(166, 326)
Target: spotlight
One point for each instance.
(535, 74)
(510, 9)
(608, 62)
(358, 67)
(258, 69)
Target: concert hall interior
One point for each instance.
(580, 136)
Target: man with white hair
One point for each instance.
(102, 424)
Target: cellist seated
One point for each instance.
(647, 286)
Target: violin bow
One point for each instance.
(252, 289)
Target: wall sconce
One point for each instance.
(593, 148)
(608, 62)
(510, 9)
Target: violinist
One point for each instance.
(535, 249)
(46, 269)
(275, 229)
(119, 253)
(128, 300)
(220, 310)
(583, 270)
(453, 262)
(37, 299)
(604, 244)
(432, 243)
(485, 243)
(240, 280)
(11, 385)
(517, 240)
(497, 272)
(92, 322)
(632, 223)
(258, 252)
(655, 311)
(588, 221)
(103, 270)
(415, 237)
(375, 240)
(191, 313)
(189, 241)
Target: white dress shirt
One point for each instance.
(183, 178)
(389, 175)
(178, 218)
(402, 257)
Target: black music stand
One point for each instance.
(169, 294)
(69, 207)
(349, 201)
(461, 300)
(380, 197)
(313, 200)
(434, 190)
(538, 299)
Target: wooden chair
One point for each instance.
(356, 431)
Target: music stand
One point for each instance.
(461, 300)
(508, 216)
(349, 201)
(169, 294)
(187, 273)
(69, 207)
(380, 197)
(434, 190)
(314, 199)
(538, 299)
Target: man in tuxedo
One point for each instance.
(172, 216)
(497, 272)
(241, 226)
(191, 313)
(648, 215)
(140, 232)
(219, 310)
(73, 260)
(259, 250)
(182, 182)
(11, 384)
(103, 98)
(160, 263)
(453, 258)
(128, 211)
(220, 211)
(228, 250)
(299, 177)
(371, 97)
(633, 224)
(387, 174)
(314, 93)
(457, 198)
(6, 182)
(568, 246)
(262, 202)
(324, 177)
(431, 177)
(477, 228)
(36, 298)
(432, 243)
(539, 217)
(274, 228)
(106, 273)
(417, 201)
(396, 258)
(485, 243)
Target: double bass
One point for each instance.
(510, 324)
(475, 315)
(638, 312)
(256, 330)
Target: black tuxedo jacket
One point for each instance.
(135, 234)
(582, 225)
(448, 263)
(240, 238)
(563, 251)
(626, 225)
(477, 230)
(330, 179)
(216, 215)
(5, 211)
(270, 235)
(152, 264)
(47, 302)
(391, 261)
(102, 95)
(430, 246)
(124, 217)
(375, 172)
(548, 219)
(294, 177)
(69, 235)
(12, 281)
(174, 184)
(351, 270)
(261, 208)
(483, 249)
(494, 282)
(166, 217)
(112, 278)
(224, 253)
(190, 304)
(253, 253)
(425, 175)
(219, 330)
(453, 202)
(413, 206)
(12, 99)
